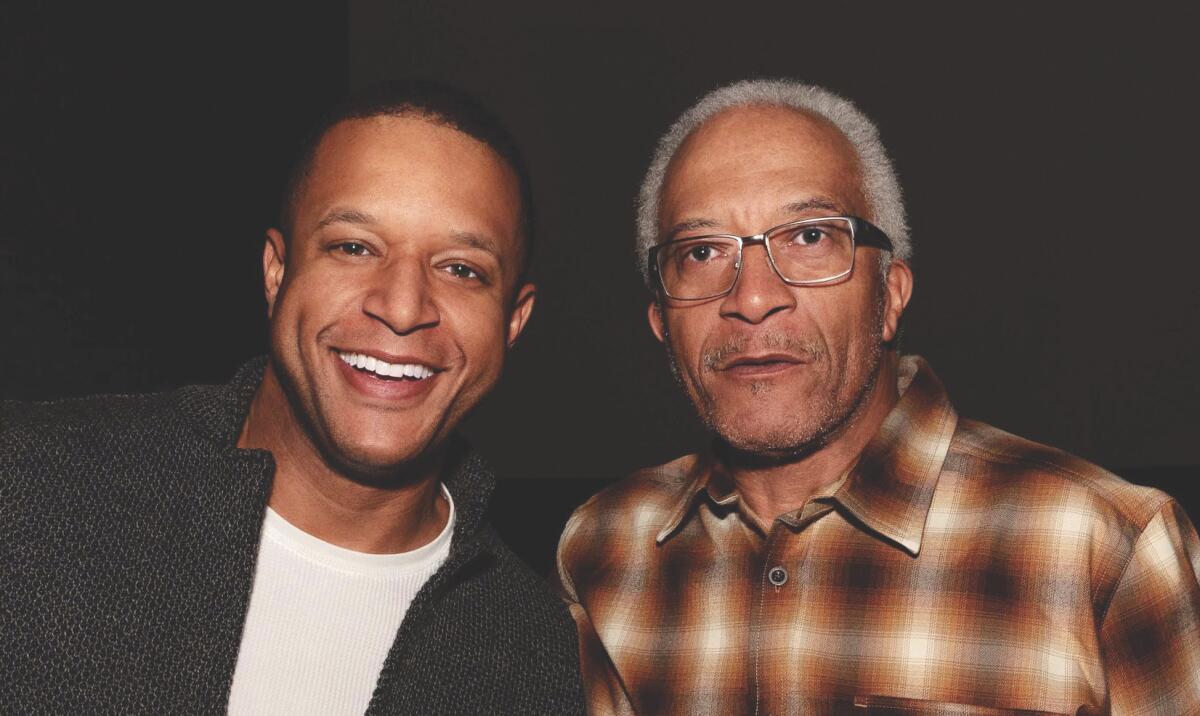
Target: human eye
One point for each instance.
(349, 248)
(810, 235)
(700, 252)
(824, 235)
(464, 272)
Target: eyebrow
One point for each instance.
(346, 216)
(817, 202)
(463, 238)
(475, 241)
(796, 207)
(689, 225)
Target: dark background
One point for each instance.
(1048, 156)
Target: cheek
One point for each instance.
(311, 300)
(688, 337)
(481, 330)
(846, 319)
(286, 314)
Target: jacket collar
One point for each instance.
(890, 487)
(218, 530)
(219, 411)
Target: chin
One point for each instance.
(783, 441)
(378, 462)
(771, 430)
(380, 472)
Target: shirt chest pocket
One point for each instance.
(896, 706)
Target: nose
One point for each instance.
(400, 297)
(759, 292)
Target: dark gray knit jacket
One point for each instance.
(129, 528)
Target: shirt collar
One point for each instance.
(890, 487)
(703, 475)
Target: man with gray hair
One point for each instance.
(848, 542)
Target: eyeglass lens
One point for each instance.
(808, 252)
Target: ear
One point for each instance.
(654, 314)
(274, 261)
(522, 309)
(899, 287)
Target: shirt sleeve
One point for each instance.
(1150, 634)
(603, 689)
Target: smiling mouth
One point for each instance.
(387, 371)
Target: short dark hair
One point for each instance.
(435, 102)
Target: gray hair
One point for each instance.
(880, 185)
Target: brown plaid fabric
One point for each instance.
(956, 569)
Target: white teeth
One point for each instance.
(392, 370)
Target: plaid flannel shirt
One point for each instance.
(955, 569)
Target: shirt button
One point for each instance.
(778, 576)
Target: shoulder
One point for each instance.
(503, 614)
(48, 432)
(110, 421)
(77, 450)
(83, 479)
(510, 604)
(621, 523)
(1053, 507)
(62, 420)
(1028, 474)
(640, 503)
(483, 635)
(514, 583)
(1054, 518)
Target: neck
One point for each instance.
(770, 488)
(326, 502)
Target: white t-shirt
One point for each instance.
(322, 619)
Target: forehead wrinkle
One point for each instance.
(817, 202)
(823, 203)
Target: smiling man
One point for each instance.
(848, 543)
(310, 537)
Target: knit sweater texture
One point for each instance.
(129, 529)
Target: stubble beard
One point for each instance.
(309, 401)
(814, 425)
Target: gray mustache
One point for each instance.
(806, 348)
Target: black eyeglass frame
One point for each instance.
(862, 233)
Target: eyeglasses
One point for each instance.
(809, 252)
